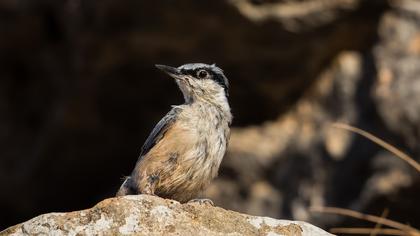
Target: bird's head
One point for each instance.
(199, 81)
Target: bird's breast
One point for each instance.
(207, 132)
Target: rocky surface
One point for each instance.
(148, 215)
(79, 95)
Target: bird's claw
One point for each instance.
(202, 201)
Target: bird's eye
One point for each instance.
(202, 74)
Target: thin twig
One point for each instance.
(366, 231)
(346, 212)
(381, 143)
(379, 224)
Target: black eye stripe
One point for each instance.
(218, 78)
(195, 72)
(189, 72)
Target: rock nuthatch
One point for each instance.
(184, 151)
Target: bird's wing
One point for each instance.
(159, 131)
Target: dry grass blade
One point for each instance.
(379, 224)
(346, 212)
(381, 143)
(398, 228)
(366, 231)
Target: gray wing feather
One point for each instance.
(159, 131)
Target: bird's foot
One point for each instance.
(202, 201)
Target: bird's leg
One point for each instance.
(201, 201)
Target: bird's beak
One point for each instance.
(171, 71)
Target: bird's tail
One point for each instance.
(126, 188)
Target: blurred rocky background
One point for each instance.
(79, 95)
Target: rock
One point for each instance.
(149, 215)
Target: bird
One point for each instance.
(184, 151)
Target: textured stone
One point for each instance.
(148, 215)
